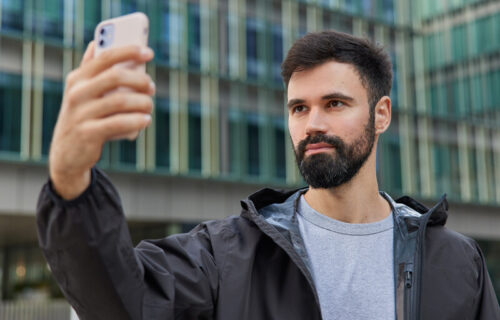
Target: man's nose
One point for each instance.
(316, 122)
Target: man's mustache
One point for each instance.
(333, 141)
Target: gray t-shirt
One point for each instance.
(352, 265)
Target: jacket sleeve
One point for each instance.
(88, 247)
(488, 307)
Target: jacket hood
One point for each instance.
(438, 213)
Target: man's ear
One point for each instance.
(382, 115)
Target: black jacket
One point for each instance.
(252, 266)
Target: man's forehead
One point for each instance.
(323, 79)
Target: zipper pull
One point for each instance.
(408, 279)
(408, 275)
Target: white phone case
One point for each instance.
(131, 29)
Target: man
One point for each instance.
(339, 249)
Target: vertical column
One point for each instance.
(106, 9)
(481, 174)
(150, 132)
(496, 159)
(209, 136)
(237, 39)
(214, 166)
(27, 82)
(141, 145)
(209, 88)
(178, 87)
(463, 161)
(70, 21)
(314, 18)
(424, 125)
(26, 99)
(72, 58)
(401, 10)
(36, 133)
(178, 121)
(359, 27)
(178, 33)
(290, 18)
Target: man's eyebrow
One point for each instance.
(330, 96)
(337, 95)
(294, 102)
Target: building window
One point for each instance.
(91, 17)
(123, 153)
(459, 48)
(128, 6)
(49, 18)
(279, 147)
(52, 97)
(251, 46)
(194, 36)
(159, 30)
(484, 34)
(10, 112)
(235, 139)
(277, 44)
(12, 14)
(253, 144)
(387, 7)
(392, 165)
(162, 117)
(194, 134)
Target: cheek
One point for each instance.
(350, 128)
(296, 133)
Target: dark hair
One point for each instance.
(370, 60)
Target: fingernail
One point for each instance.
(146, 52)
(152, 87)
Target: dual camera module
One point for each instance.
(105, 36)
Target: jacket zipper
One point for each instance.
(408, 273)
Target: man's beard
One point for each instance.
(324, 170)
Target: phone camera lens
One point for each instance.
(101, 42)
(103, 31)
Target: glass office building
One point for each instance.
(220, 113)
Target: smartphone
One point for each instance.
(122, 31)
(130, 29)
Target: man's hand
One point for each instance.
(93, 112)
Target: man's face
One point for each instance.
(330, 123)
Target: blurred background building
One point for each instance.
(219, 130)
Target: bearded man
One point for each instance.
(338, 249)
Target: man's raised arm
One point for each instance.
(81, 226)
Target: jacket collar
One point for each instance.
(276, 205)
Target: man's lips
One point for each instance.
(314, 148)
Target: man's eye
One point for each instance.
(335, 104)
(298, 109)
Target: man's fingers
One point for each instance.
(109, 80)
(118, 125)
(113, 56)
(117, 102)
(89, 54)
